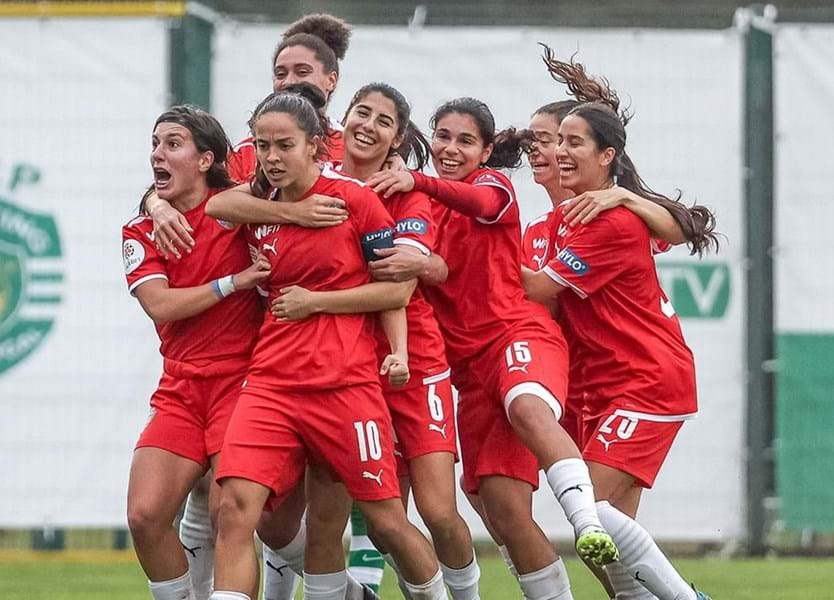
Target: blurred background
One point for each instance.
(733, 107)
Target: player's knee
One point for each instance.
(235, 513)
(145, 522)
(441, 520)
(387, 525)
(529, 413)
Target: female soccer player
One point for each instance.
(509, 359)
(312, 385)
(207, 317)
(377, 124)
(638, 374)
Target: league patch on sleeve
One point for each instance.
(133, 253)
(412, 226)
(382, 238)
(573, 262)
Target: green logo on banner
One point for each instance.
(31, 278)
(696, 290)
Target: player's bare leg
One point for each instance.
(508, 504)
(433, 485)
(534, 420)
(412, 552)
(478, 507)
(159, 482)
(236, 565)
(283, 546)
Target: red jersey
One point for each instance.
(242, 160)
(324, 350)
(426, 352)
(623, 330)
(483, 300)
(226, 330)
(537, 244)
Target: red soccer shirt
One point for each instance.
(537, 244)
(242, 159)
(482, 301)
(226, 330)
(324, 350)
(426, 352)
(623, 330)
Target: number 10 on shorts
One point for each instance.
(367, 436)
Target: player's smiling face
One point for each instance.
(457, 146)
(371, 129)
(284, 153)
(298, 64)
(583, 166)
(542, 156)
(178, 166)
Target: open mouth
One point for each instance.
(161, 178)
(566, 168)
(274, 174)
(449, 165)
(363, 139)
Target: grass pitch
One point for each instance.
(116, 576)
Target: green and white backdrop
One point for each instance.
(78, 358)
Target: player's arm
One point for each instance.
(436, 271)
(239, 205)
(541, 287)
(296, 303)
(171, 230)
(395, 365)
(163, 303)
(481, 201)
(586, 207)
(404, 263)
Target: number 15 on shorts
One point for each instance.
(367, 437)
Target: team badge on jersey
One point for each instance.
(133, 253)
(31, 277)
(574, 263)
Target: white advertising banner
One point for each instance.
(78, 359)
(685, 88)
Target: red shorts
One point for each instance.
(571, 421)
(489, 444)
(424, 419)
(273, 434)
(631, 442)
(189, 415)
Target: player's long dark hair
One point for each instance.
(608, 131)
(507, 144)
(327, 36)
(308, 118)
(415, 149)
(208, 136)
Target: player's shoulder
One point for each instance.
(332, 176)
(540, 222)
(138, 225)
(244, 145)
(487, 176)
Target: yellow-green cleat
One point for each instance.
(598, 547)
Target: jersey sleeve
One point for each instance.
(241, 162)
(593, 255)
(373, 224)
(415, 226)
(660, 246)
(497, 181)
(142, 260)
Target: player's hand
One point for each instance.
(387, 183)
(396, 367)
(587, 206)
(398, 264)
(171, 230)
(319, 211)
(254, 275)
(294, 304)
(394, 162)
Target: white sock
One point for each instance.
(400, 581)
(549, 583)
(326, 586)
(571, 484)
(197, 539)
(433, 589)
(280, 580)
(505, 554)
(463, 583)
(625, 586)
(217, 595)
(173, 589)
(640, 555)
(291, 554)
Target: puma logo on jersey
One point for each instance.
(377, 477)
(438, 429)
(271, 247)
(522, 368)
(605, 442)
(539, 260)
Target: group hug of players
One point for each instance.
(316, 296)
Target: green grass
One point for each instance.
(110, 576)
